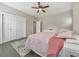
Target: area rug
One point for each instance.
(19, 46)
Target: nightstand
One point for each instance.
(71, 50)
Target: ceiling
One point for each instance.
(55, 7)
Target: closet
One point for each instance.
(13, 27)
(20, 27)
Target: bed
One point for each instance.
(39, 43)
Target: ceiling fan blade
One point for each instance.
(37, 11)
(44, 11)
(38, 3)
(46, 6)
(35, 7)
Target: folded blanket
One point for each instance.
(55, 45)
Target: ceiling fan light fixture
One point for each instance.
(40, 9)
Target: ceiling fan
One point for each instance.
(40, 7)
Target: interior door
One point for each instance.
(9, 27)
(0, 27)
(38, 26)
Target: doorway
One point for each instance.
(34, 27)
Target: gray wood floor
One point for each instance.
(6, 50)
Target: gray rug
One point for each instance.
(19, 46)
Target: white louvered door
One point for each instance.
(20, 27)
(9, 27)
(14, 27)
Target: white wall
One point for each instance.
(30, 24)
(76, 17)
(29, 18)
(58, 20)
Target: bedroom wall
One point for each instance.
(30, 24)
(62, 20)
(76, 17)
(29, 18)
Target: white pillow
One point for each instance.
(50, 30)
(64, 34)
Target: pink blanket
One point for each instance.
(55, 45)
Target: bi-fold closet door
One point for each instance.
(13, 27)
(9, 27)
(20, 27)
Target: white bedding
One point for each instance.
(38, 43)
